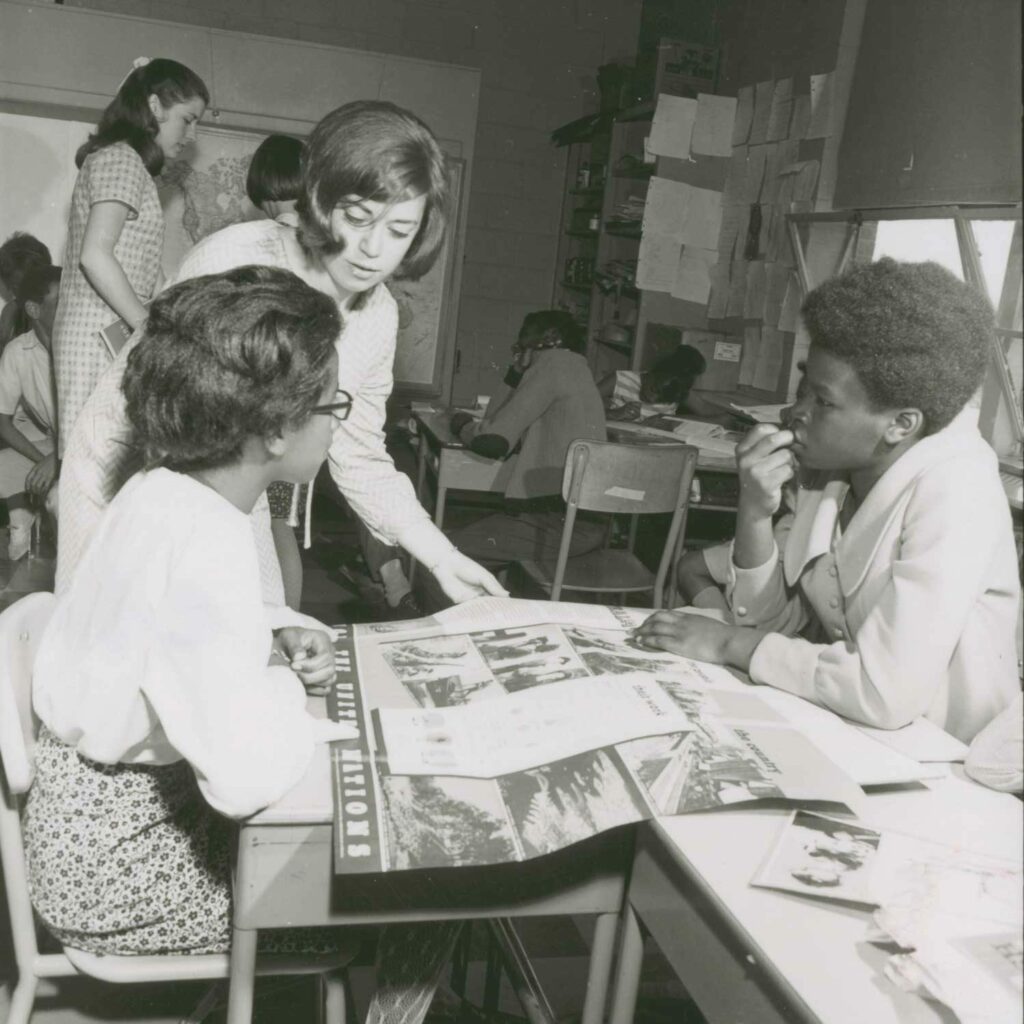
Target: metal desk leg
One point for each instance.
(243, 975)
(627, 977)
(599, 973)
(442, 493)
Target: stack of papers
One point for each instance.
(955, 915)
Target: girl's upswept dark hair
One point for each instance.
(128, 117)
(916, 336)
(275, 171)
(374, 150)
(226, 357)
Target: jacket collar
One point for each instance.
(818, 509)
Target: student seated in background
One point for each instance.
(28, 416)
(665, 389)
(20, 253)
(552, 401)
(274, 180)
(896, 594)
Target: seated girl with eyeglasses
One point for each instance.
(166, 688)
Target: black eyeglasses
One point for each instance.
(339, 409)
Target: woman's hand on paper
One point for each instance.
(309, 653)
(765, 464)
(462, 579)
(700, 638)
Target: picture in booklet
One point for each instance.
(824, 857)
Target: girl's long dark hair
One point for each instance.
(128, 117)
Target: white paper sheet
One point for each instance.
(763, 92)
(744, 115)
(693, 274)
(656, 262)
(712, 130)
(780, 110)
(672, 128)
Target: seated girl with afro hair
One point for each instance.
(895, 594)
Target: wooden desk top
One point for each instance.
(719, 853)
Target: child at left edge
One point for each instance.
(28, 415)
(896, 595)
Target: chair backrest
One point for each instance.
(21, 626)
(603, 476)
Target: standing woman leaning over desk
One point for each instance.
(116, 228)
(374, 204)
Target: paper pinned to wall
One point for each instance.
(769, 359)
(672, 128)
(693, 274)
(751, 346)
(777, 277)
(757, 157)
(680, 211)
(823, 114)
(718, 304)
(656, 263)
(791, 304)
(757, 283)
(762, 112)
(712, 130)
(744, 115)
(780, 111)
(801, 118)
(729, 232)
(665, 209)
(736, 177)
(737, 288)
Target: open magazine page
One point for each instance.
(465, 766)
(956, 915)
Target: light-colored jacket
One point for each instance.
(914, 607)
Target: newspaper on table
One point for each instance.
(957, 916)
(530, 726)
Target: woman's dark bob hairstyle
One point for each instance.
(224, 358)
(374, 150)
(275, 171)
(128, 117)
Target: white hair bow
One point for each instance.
(139, 62)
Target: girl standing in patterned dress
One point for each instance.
(116, 226)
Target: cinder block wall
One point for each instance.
(539, 60)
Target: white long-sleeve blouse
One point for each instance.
(159, 649)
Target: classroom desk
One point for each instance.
(284, 877)
(756, 956)
(441, 454)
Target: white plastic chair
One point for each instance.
(21, 625)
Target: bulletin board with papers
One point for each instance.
(715, 235)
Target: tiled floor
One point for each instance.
(558, 947)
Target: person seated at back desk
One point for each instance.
(665, 389)
(552, 401)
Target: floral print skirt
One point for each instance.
(129, 859)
